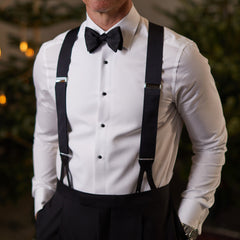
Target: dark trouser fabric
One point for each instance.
(74, 215)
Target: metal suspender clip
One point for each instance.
(66, 155)
(61, 79)
(146, 159)
(153, 85)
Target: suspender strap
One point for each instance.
(151, 103)
(60, 89)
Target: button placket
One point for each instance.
(104, 62)
(103, 116)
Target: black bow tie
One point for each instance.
(113, 38)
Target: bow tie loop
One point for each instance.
(113, 38)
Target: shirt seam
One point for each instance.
(45, 64)
(177, 63)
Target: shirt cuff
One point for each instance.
(41, 197)
(192, 213)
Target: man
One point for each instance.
(105, 104)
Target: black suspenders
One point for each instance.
(151, 103)
(60, 88)
(150, 109)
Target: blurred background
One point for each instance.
(25, 24)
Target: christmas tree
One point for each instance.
(17, 97)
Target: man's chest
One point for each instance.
(111, 89)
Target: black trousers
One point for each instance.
(75, 215)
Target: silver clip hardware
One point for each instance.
(61, 79)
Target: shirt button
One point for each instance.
(105, 62)
(104, 93)
(99, 157)
(102, 125)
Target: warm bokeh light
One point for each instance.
(0, 52)
(23, 46)
(29, 52)
(3, 99)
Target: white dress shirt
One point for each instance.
(105, 159)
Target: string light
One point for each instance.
(29, 52)
(3, 99)
(23, 46)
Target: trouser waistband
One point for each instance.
(158, 195)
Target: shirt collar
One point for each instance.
(128, 25)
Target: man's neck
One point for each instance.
(105, 20)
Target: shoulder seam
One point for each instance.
(177, 67)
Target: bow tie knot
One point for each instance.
(103, 37)
(113, 38)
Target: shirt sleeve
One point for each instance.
(199, 105)
(45, 135)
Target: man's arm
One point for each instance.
(199, 105)
(45, 135)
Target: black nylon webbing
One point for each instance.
(151, 103)
(66, 52)
(60, 89)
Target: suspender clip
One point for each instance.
(61, 79)
(153, 85)
(146, 159)
(66, 155)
